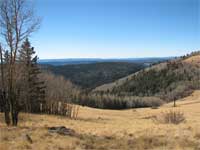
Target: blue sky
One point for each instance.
(116, 28)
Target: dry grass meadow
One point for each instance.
(132, 129)
(194, 60)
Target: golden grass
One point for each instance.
(194, 60)
(108, 129)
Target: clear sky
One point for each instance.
(117, 28)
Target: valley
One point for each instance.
(108, 129)
(99, 75)
(89, 76)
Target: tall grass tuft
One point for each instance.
(170, 117)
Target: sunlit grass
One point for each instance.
(108, 129)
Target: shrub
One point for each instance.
(172, 116)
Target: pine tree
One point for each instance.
(33, 90)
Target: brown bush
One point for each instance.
(172, 116)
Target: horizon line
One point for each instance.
(104, 58)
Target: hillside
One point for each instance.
(108, 129)
(89, 76)
(195, 60)
(121, 81)
(169, 80)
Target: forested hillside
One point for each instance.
(152, 86)
(177, 76)
(89, 76)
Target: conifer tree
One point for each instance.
(17, 22)
(33, 90)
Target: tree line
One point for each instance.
(17, 23)
(23, 86)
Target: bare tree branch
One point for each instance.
(17, 21)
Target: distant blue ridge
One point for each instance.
(70, 61)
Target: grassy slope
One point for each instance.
(108, 129)
(193, 60)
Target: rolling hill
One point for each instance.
(89, 76)
(121, 81)
(179, 70)
(193, 60)
(89, 73)
(167, 81)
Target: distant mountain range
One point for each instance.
(70, 61)
(93, 72)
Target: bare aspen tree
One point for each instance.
(17, 22)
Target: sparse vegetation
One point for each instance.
(171, 116)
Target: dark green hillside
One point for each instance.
(171, 82)
(89, 76)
